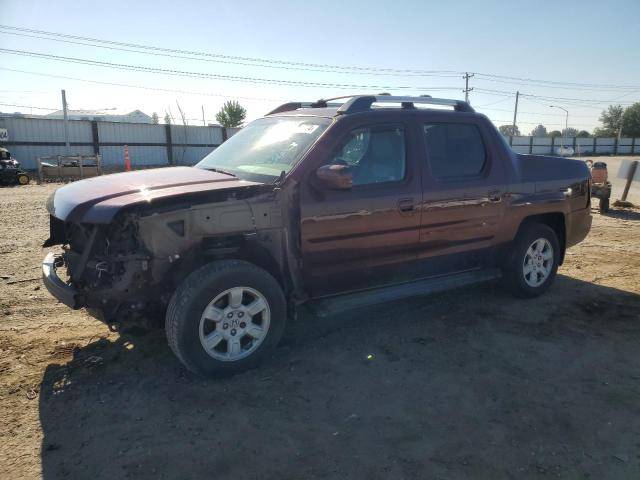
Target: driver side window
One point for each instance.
(374, 154)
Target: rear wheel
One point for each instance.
(533, 261)
(22, 179)
(604, 205)
(225, 317)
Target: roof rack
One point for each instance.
(361, 103)
(287, 107)
(364, 102)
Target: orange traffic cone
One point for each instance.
(127, 162)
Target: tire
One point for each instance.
(521, 283)
(604, 205)
(236, 339)
(22, 179)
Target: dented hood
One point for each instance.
(98, 199)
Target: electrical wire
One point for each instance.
(141, 87)
(232, 57)
(27, 106)
(228, 62)
(212, 76)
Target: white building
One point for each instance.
(136, 116)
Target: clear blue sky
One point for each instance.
(569, 41)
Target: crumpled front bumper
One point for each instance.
(59, 289)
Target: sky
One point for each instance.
(590, 49)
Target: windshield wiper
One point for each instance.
(218, 170)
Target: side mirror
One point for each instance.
(335, 177)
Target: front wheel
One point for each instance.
(533, 261)
(604, 205)
(225, 317)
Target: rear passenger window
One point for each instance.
(454, 150)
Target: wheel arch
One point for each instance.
(232, 248)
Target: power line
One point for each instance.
(126, 85)
(253, 60)
(27, 106)
(213, 76)
(553, 82)
(215, 60)
(256, 61)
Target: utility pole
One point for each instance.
(203, 120)
(515, 114)
(466, 90)
(66, 121)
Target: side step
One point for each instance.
(332, 305)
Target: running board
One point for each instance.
(350, 301)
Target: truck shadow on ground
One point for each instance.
(469, 384)
(624, 214)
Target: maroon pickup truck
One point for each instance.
(334, 204)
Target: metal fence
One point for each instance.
(580, 145)
(157, 145)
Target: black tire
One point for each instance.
(604, 205)
(514, 276)
(196, 292)
(22, 179)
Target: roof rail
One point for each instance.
(362, 103)
(287, 107)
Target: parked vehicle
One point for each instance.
(600, 184)
(333, 206)
(10, 171)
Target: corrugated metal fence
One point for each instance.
(30, 138)
(580, 145)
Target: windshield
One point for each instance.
(266, 147)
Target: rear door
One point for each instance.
(366, 236)
(463, 201)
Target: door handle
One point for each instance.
(405, 205)
(495, 196)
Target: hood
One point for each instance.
(99, 199)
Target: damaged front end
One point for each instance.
(103, 267)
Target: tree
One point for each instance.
(167, 118)
(508, 130)
(583, 134)
(539, 131)
(611, 120)
(154, 118)
(555, 133)
(631, 121)
(569, 132)
(232, 114)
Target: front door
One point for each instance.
(368, 235)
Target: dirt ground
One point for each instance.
(469, 384)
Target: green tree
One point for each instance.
(539, 131)
(508, 130)
(232, 114)
(569, 132)
(154, 118)
(611, 120)
(631, 121)
(555, 133)
(583, 134)
(167, 118)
